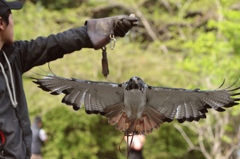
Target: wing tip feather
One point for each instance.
(94, 112)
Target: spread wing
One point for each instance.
(189, 105)
(96, 96)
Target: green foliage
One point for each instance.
(60, 4)
(65, 135)
(163, 144)
(185, 54)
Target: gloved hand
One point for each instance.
(123, 24)
(99, 30)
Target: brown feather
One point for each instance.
(150, 120)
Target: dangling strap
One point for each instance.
(12, 93)
(105, 70)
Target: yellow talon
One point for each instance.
(126, 126)
(138, 128)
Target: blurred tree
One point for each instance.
(59, 4)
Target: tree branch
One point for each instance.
(145, 22)
(186, 138)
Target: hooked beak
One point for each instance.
(135, 83)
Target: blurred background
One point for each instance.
(179, 43)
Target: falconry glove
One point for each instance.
(100, 30)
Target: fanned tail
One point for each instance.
(150, 120)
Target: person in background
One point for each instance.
(135, 144)
(18, 57)
(39, 136)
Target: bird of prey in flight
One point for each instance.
(135, 107)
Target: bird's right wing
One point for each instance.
(96, 96)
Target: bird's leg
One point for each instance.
(126, 126)
(130, 144)
(119, 146)
(138, 128)
(128, 122)
(126, 134)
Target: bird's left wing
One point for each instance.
(96, 96)
(189, 105)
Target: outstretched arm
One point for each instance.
(95, 34)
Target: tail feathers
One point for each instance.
(122, 123)
(151, 119)
(117, 116)
(147, 126)
(133, 126)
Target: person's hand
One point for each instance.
(123, 24)
(100, 30)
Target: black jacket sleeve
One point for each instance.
(45, 49)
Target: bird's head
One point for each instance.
(135, 83)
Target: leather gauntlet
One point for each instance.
(99, 30)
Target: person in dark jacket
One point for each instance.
(39, 136)
(17, 57)
(135, 146)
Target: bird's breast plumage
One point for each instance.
(134, 102)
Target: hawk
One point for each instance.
(135, 107)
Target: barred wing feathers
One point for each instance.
(160, 105)
(95, 96)
(189, 105)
